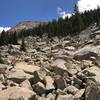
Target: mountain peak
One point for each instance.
(27, 25)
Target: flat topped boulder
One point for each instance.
(19, 76)
(26, 67)
(17, 93)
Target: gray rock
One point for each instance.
(77, 81)
(72, 71)
(93, 73)
(85, 55)
(60, 83)
(49, 83)
(26, 67)
(92, 91)
(18, 76)
(39, 75)
(65, 97)
(11, 83)
(3, 68)
(26, 84)
(39, 88)
(17, 92)
(82, 76)
(60, 63)
(79, 94)
(43, 98)
(2, 78)
(71, 89)
(87, 52)
(70, 48)
(2, 86)
(51, 96)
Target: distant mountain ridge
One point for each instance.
(27, 25)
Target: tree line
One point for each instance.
(70, 26)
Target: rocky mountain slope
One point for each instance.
(52, 69)
(27, 25)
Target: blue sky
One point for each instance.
(15, 11)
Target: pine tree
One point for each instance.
(76, 9)
(13, 38)
(3, 38)
(78, 20)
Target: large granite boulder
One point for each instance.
(86, 53)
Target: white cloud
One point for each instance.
(4, 28)
(84, 5)
(63, 13)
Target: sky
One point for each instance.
(14, 11)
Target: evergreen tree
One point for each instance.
(14, 38)
(78, 20)
(76, 9)
(3, 38)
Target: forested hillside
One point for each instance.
(70, 26)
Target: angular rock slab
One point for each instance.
(17, 92)
(79, 94)
(65, 97)
(87, 52)
(39, 88)
(19, 76)
(49, 83)
(26, 84)
(26, 68)
(59, 82)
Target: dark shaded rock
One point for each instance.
(92, 91)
